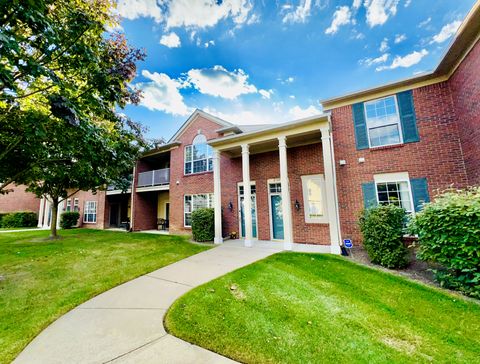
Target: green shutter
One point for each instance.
(419, 192)
(369, 194)
(407, 117)
(361, 137)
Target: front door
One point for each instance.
(242, 211)
(276, 213)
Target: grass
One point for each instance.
(310, 308)
(41, 280)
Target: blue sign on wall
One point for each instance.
(347, 243)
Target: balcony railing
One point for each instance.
(157, 177)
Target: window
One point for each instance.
(275, 187)
(314, 198)
(90, 212)
(198, 156)
(383, 122)
(194, 202)
(76, 205)
(253, 189)
(69, 205)
(394, 188)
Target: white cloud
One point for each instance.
(425, 22)
(342, 16)
(162, 93)
(384, 45)
(170, 40)
(356, 4)
(297, 112)
(210, 43)
(378, 11)
(219, 82)
(372, 61)
(206, 13)
(266, 94)
(244, 117)
(188, 13)
(407, 3)
(292, 97)
(406, 61)
(446, 32)
(399, 38)
(133, 9)
(300, 14)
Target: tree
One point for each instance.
(62, 80)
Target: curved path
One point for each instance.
(125, 324)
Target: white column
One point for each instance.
(247, 195)
(286, 203)
(40, 212)
(332, 205)
(60, 212)
(47, 213)
(217, 197)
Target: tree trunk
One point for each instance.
(53, 222)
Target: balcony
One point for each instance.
(158, 179)
(124, 186)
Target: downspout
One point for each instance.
(132, 200)
(337, 210)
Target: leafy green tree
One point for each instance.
(63, 79)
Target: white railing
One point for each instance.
(157, 177)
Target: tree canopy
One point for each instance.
(63, 79)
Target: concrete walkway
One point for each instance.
(125, 324)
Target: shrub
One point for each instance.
(382, 229)
(69, 219)
(19, 219)
(203, 224)
(449, 235)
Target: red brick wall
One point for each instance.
(19, 200)
(144, 203)
(102, 214)
(465, 87)
(188, 184)
(301, 161)
(438, 155)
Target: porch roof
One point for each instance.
(298, 132)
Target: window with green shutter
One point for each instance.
(419, 192)
(407, 117)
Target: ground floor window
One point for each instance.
(195, 202)
(394, 188)
(314, 198)
(90, 212)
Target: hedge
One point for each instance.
(203, 224)
(382, 228)
(19, 219)
(69, 219)
(449, 235)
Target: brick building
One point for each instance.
(309, 179)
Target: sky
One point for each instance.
(271, 61)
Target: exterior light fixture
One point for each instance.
(297, 205)
(230, 206)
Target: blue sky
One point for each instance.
(256, 62)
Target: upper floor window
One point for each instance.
(198, 156)
(69, 205)
(383, 122)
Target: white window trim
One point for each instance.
(240, 184)
(392, 178)
(400, 131)
(192, 161)
(85, 205)
(315, 220)
(197, 194)
(273, 181)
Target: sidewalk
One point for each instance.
(125, 324)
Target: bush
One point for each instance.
(449, 234)
(203, 224)
(69, 219)
(19, 219)
(382, 229)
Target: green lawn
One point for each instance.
(309, 308)
(40, 280)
